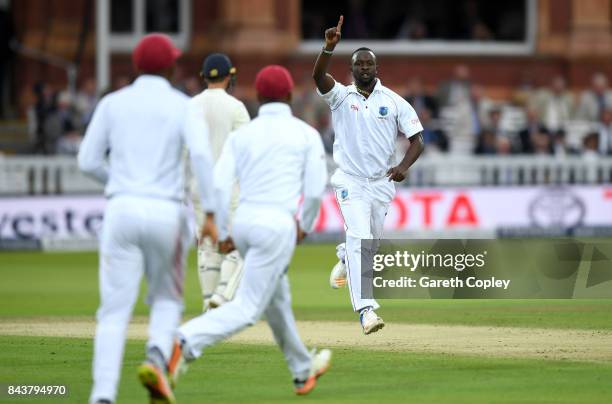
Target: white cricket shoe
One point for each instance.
(370, 321)
(321, 361)
(337, 278)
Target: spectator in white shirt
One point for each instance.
(595, 101)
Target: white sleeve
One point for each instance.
(195, 133)
(315, 179)
(95, 145)
(225, 176)
(240, 116)
(335, 96)
(407, 120)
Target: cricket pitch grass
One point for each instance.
(443, 351)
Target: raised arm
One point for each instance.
(324, 80)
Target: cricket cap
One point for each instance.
(217, 65)
(155, 52)
(274, 82)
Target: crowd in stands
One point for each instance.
(458, 117)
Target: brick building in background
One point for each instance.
(571, 37)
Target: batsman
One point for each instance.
(219, 274)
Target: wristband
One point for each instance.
(325, 51)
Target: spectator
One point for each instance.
(526, 134)
(419, 99)
(494, 123)
(525, 91)
(457, 89)
(593, 102)
(542, 142)
(434, 138)
(604, 129)
(61, 121)
(555, 104)
(86, 100)
(44, 105)
(560, 147)
(480, 108)
(487, 143)
(503, 146)
(590, 145)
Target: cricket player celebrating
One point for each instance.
(276, 158)
(219, 274)
(144, 128)
(366, 117)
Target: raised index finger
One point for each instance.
(340, 21)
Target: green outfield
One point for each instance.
(572, 363)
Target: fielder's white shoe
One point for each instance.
(337, 278)
(370, 321)
(321, 361)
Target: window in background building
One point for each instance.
(122, 16)
(424, 26)
(162, 16)
(131, 19)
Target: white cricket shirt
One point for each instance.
(222, 113)
(366, 129)
(144, 128)
(276, 158)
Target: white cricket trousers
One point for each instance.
(265, 237)
(364, 204)
(139, 235)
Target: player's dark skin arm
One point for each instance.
(398, 173)
(323, 80)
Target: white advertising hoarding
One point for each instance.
(51, 217)
(444, 209)
(487, 208)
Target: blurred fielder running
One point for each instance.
(144, 129)
(366, 117)
(276, 158)
(219, 274)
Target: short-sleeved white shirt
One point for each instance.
(366, 128)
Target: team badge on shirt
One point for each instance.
(383, 111)
(343, 194)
